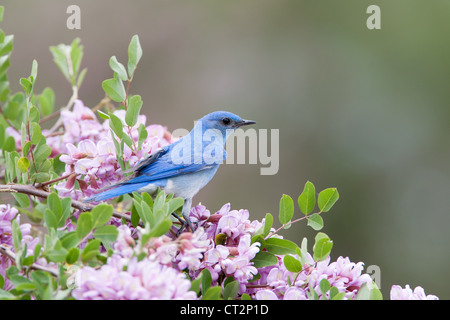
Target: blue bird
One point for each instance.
(183, 167)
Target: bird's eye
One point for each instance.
(226, 121)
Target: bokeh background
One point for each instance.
(366, 111)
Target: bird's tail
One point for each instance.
(115, 191)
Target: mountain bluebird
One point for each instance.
(183, 167)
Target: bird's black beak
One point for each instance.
(245, 123)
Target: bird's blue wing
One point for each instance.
(160, 165)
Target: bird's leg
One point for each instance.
(183, 223)
(178, 218)
(185, 212)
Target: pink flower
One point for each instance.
(265, 294)
(398, 293)
(120, 279)
(7, 214)
(295, 293)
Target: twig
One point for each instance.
(10, 254)
(33, 191)
(50, 116)
(287, 224)
(72, 99)
(54, 134)
(43, 184)
(105, 101)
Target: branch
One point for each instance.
(10, 254)
(72, 99)
(33, 191)
(67, 176)
(288, 224)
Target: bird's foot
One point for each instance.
(184, 224)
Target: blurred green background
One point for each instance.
(366, 111)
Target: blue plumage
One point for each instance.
(184, 167)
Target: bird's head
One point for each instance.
(223, 121)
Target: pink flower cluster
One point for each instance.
(343, 274)
(230, 251)
(221, 244)
(398, 293)
(7, 214)
(125, 277)
(89, 152)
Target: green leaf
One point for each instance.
(114, 88)
(34, 70)
(127, 139)
(50, 219)
(46, 101)
(133, 109)
(264, 259)
(4, 90)
(6, 295)
(91, 250)
(58, 165)
(324, 286)
(231, 290)
(6, 46)
(58, 253)
(26, 286)
(195, 284)
(76, 55)
(369, 291)
(45, 166)
(142, 135)
(307, 199)
(60, 59)
(26, 85)
(118, 68)
(268, 222)
(4, 65)
(256, 238)
(84, 224)
(315, 221)
(23, 164)
(213, 293)
(135, 218)
(67, 207)
(292, 264)
(116, 125)
(40, 177)
(81, 77)
(103, 115)
(161, 228)
(2, 9)
(280, 246)
(9, 144)
(101, 214)
(174, 204)
(54, 204)
(22, 199)
(70, 239)
(72, 255)
(134, 54)
(36, 134)
(286, 209)
(16, 235)
(327, 198)
(106, 233)
(322, 247)
(41, 153)
(206, 280)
